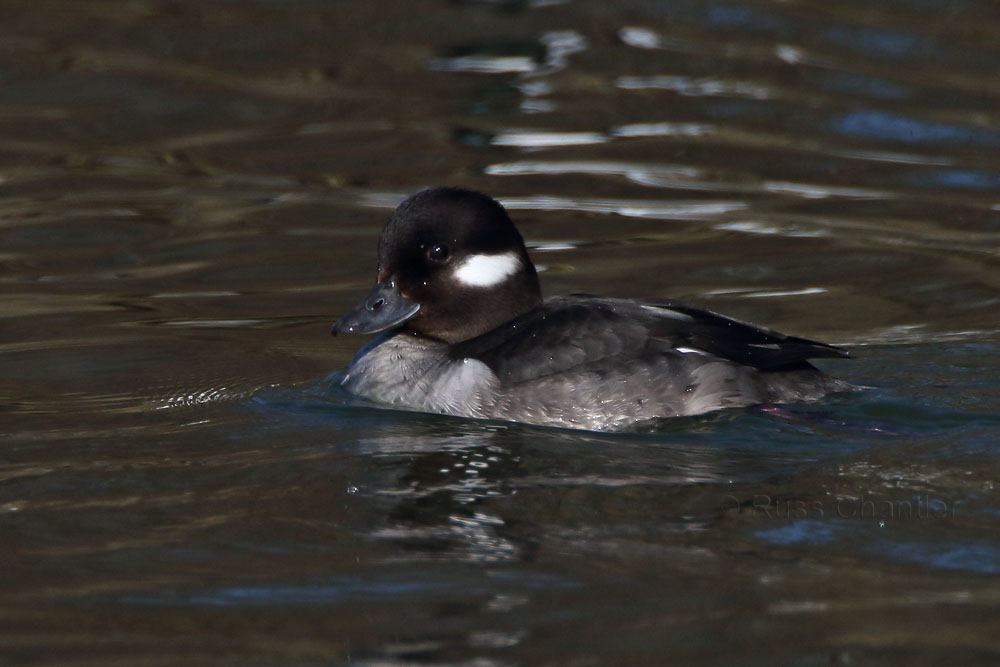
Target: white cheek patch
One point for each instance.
(487, 270)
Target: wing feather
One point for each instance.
(580, 332)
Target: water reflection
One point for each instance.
(978, 556)
(660, 210)
(883, 42)
(972, 179)
(543, 139)
(466, 491)
(662, 130)
(706, 87)
(860, 84)
(549, 55)
(886, 126)
(643, 38)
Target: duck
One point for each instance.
(463, 330)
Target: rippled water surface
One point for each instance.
(190, 193)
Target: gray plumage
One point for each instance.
(595, 363)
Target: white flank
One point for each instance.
(487, 270)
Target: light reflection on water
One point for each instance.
(183, 217)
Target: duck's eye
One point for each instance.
(438, 253)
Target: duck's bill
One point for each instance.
(382, 309)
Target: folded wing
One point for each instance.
(579, 332)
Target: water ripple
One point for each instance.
(660, 210)
(703, 87)
(886, 126)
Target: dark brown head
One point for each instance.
(451, 265)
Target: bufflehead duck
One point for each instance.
(467, 333)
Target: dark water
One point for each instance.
(190, 192)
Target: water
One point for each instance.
(190, 193)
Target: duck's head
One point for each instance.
(451, 266)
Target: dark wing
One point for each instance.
(580, 332)
(741, 342)
(563, 334)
